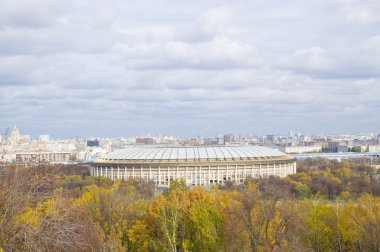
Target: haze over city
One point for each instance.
(121, 68)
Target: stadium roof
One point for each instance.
(147, 153)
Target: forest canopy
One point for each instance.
(327, 206)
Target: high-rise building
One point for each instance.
(15, 136)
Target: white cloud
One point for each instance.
(217, 20)
(220, 52)
(361, 11)
(314, 58)
(121, 65)
(359, 61)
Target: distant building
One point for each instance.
(220, 141)
(342, 148)
(359, 148)
(25, 139)
(364, 148)
(93, 143)
(91, 154)
(332, 146)
(6, 153)
(194, 142)
(42, 157)
(44, 138)
(81, 155)
(211, 141)
(272, 138)
(302, 149)
(41, 146)
(15, 136)
(374, 148)
(228, 138)
(232, 139)
(145, 140)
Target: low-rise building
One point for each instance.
(302, 149)
(374, 148)
(42, 157)
(343, 148)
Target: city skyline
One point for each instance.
(8, 131)
(81, 68)
(19, 147)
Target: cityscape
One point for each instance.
(189, 126)
(24, 149)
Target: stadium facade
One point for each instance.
(196, 165)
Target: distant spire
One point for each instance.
(15, 130)
(14, 136)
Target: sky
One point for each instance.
(123, 68)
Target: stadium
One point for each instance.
(196, 165)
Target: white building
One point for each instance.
(44, 138)
(196, 165)
(15, 136)
(302, 149)
(42, 157)
(374, 148)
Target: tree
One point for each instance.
(303, 191)
(19, 189)
(176, 185)
(365, 217)
(259, 218)
(116, 211)
(57, 224)
(313, 229)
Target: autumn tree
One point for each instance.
(258, 217)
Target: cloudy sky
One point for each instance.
(121, 68)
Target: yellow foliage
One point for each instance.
(186, 245)
(29, 217)
(251, 186)
(343, 173)
(139, 234)
(277, 232)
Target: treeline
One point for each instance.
(62, 208)
(346, 179)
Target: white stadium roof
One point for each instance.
(194, 153)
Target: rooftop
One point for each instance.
(194, 153)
